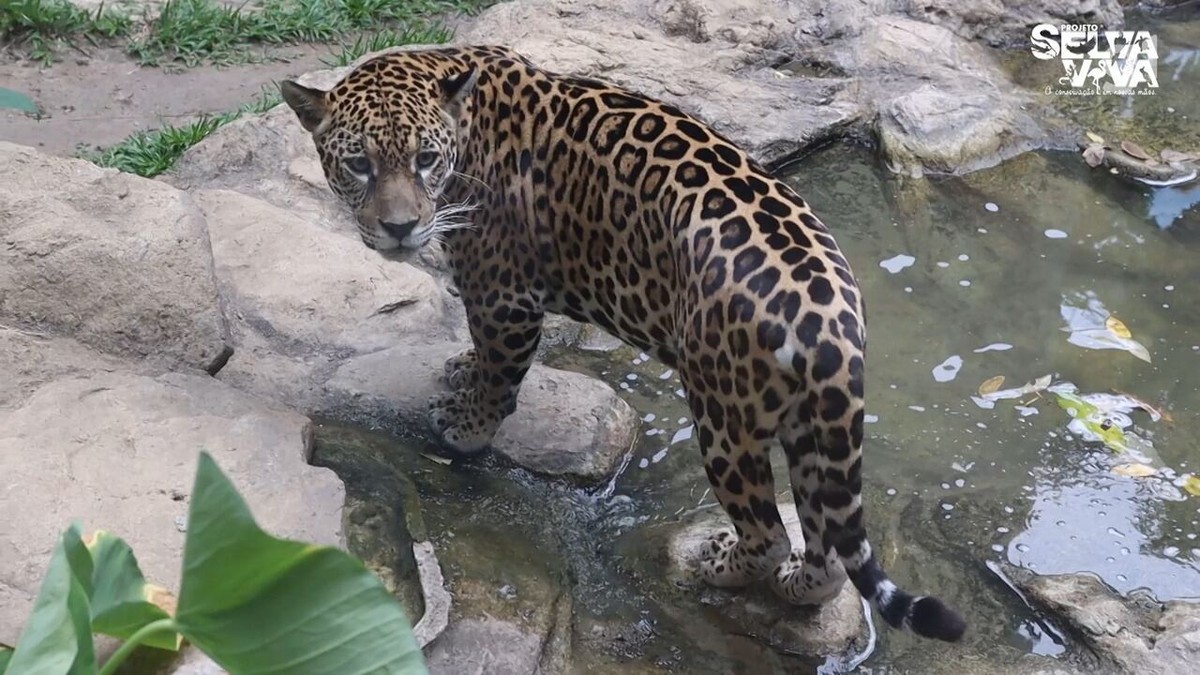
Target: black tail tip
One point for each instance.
(931, 618)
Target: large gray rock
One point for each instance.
(834, 628)
(566, 424)
(944, 104)
(118, 262)
(83, 437)
(1137, 634)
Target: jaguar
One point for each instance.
(557, 193)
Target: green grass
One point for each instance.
(413, 34)
(149, 153)
(190, 32)
(41, 27)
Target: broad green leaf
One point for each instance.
(17, 101)
(258, 604)
(57, 640)
(5, 656)
(122, 601)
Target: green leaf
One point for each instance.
(1092, 419)
(57, 640)
(122, 601)
(17, 101)
(258, 604)
(5, 657)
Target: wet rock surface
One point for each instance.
(1135, 633)
(833, 629)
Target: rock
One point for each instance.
(566, 424)
(936, 131)
(833, 629)
(485, 645)
(126, 460)
(305, 291)
(945, 105)
(268, 156)
(1008, 23)
(118, 262)
(1136, 633)
(436, 598)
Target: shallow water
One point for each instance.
(965, 279)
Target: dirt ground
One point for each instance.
(101, 98)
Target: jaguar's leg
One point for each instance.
(506, 335)
(462, 370)
(738, 465)
(812, 573)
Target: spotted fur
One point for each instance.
(562, 194)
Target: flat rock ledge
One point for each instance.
(836, 629)
(1136, 634)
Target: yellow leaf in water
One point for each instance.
(1191, 483)
(1134, 470)
(1095, 138)
(990, 385)
(1117, 327)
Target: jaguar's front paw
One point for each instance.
(462, 370)
(462, 422)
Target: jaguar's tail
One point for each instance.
(924, 615)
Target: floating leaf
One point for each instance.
(1095, 138)
(239, 581)
(1094, 155)
(1093, 327)
(1117, 327)
(991, 385)
(1134, 470)
(987, 400)
(1089, 422)
(1134, 150)
(1191, 484)
(444, 461)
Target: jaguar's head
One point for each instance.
(388, 136)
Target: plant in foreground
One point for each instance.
(251, 602)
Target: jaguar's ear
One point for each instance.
(458, 88)
(310, 105)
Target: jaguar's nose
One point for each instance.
(399, 231)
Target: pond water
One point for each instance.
(965, 279)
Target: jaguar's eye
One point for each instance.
(425, 159)
(359, 165)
